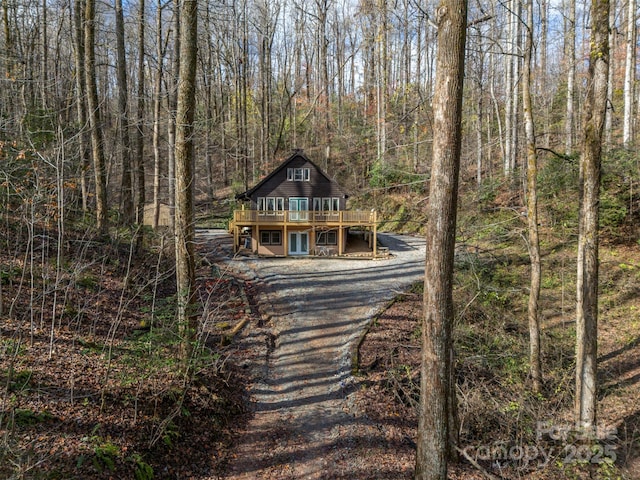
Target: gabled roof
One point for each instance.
(297, 153)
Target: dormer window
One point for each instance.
(298, 174)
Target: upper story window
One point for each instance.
(270, 205)
(326, 204)
(298, 174)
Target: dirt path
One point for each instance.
(320, 307)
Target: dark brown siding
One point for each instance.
(317, 186)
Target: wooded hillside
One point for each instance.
(350, 82)
(91, 155)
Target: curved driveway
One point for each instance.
(319, 309)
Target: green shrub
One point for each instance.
(104, 453)
(142, 470)
(24, 417)
(613, 211)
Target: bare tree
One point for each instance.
(535, 366)
(437, 395)
(382, 77)
(157, 105)
(140, 116)
(629, 75)
(44, 56)
(124, 142)
(267, 13)
(172, 105)
(240, 55)
(93, 113)
(608, 122)
(8, 39)
(587, 281)
(570, 53)
(512, 75)
(184, 231)
(81, 103)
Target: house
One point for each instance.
(299, 210)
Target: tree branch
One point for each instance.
(559, 155)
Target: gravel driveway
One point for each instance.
(319, 308)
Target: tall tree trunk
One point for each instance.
(157, 104)
(542, 70)
(81, 102)
(97, 146)
(44, 58)
(535, 365)
(210, 82)
(629, 75)
(492, 75)
(172, 101)
(324, 89)
(240, 59)
(184, 191)
(382, 78)
(515, 92)
(140, 130)
(512, 91)
(587, 282)
(268, 17)
(124, 143)
(570, 29)
(608, 122)
(479, 104)
(544, 35)
(436, 431)
(8, 39)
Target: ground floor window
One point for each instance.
(271, 237)
(328, 237)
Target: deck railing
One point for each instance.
(344, 217)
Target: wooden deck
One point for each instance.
(292, 220)
(346, 218)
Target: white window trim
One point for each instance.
(335, 205)
(298, 174)
(271, 206)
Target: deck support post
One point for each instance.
(257, 239)
(375, 236)
(285, 240)
(236, 238)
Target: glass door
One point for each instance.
(298, 209)
(298, 243)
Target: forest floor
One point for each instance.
(89, 392)
(496, 415)
(89, 376)
(302, 426)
